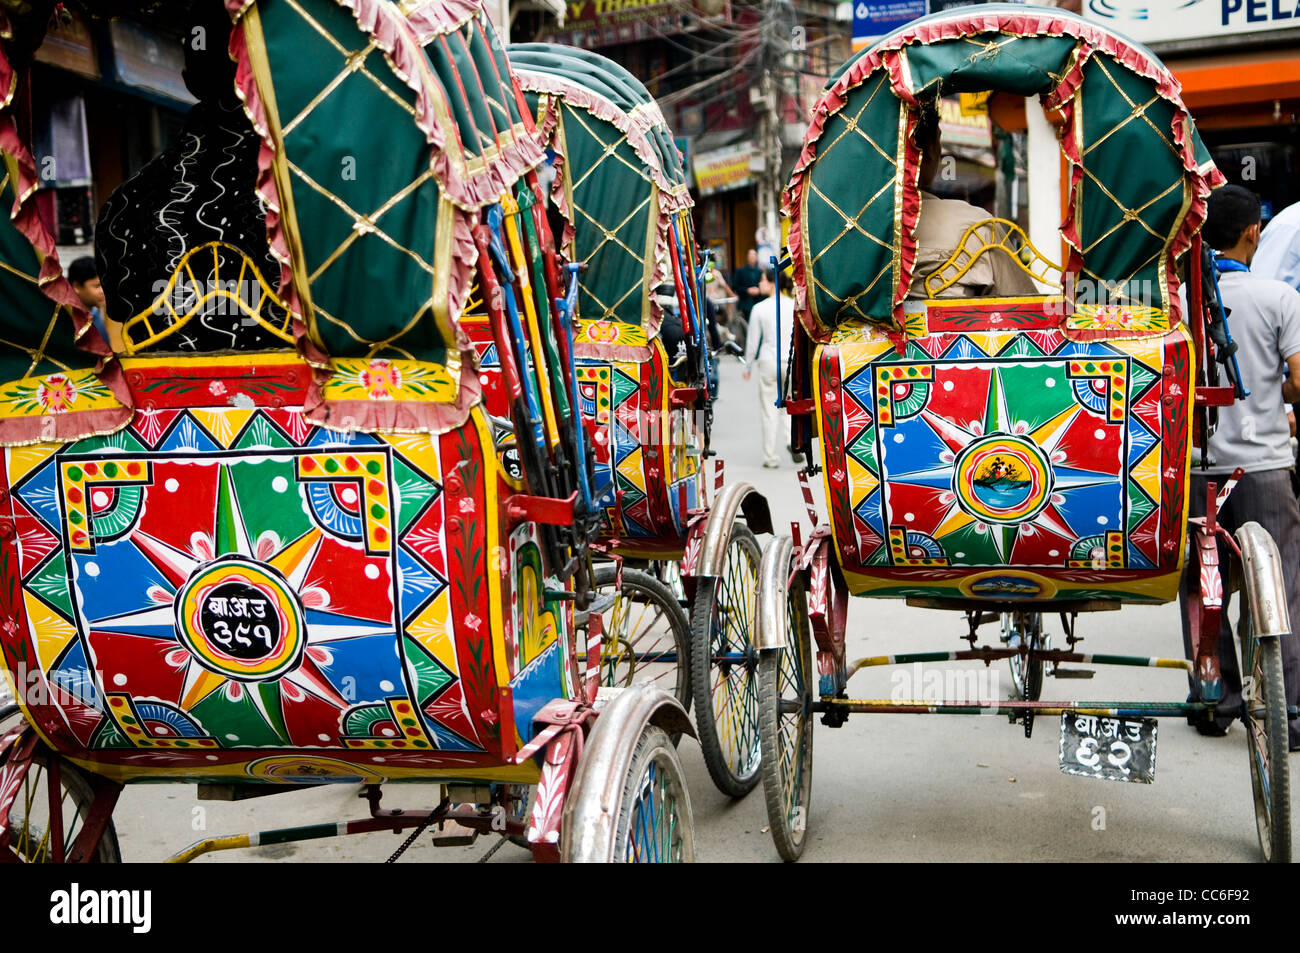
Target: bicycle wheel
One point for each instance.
(654, 819)
(1266, 732)
(645, 635)
(29, 818)
(723, 665)
(785, 724)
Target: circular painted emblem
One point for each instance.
(240, 619)
(1002, 479)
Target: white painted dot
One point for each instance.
(348, 495)
(1050, 382)
(1102, 521)
(898, 438)
(279, 484)
(483, 379)
(100, 498)
(232, 737)
(385, 686)
(909, 517)
(323, 737)
(947, 385)
(160, 730)
(1099, 434)
(1053, 553)
(119, 679)
(372, 571)
(388, 732)
(92, 570)
(213, 757)
(172, 485)
(379, 760)
(959, 555)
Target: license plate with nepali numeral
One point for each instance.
(1113, 749)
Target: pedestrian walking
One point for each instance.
(761, 352)
(745, 281)
(1253, 434)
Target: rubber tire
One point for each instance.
(788, 833)
(728, 779)
(1272, 812)
(654, 748)
(1035, 687)
(661, 598)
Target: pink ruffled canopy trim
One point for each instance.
(399, 38)
(439, 17)
(634, 126)
(970, 21)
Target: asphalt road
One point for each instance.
(894, 788)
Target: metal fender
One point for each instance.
(1265, 584)
(737, 497)
(773, 586)
(591, 808)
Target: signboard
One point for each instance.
(723, 169)
(960, 129)
(148, 60)
(1153, 21)
(873, 19)
(596, 23)
(70, 45)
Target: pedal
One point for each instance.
(451, 834)
(1074, 673)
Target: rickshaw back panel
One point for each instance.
(1007, 454)
(389, 547)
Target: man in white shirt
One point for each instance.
(761, 350)
(1253, 433)
(1278, 255)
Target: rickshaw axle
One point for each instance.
(1104, 709)
(988, 654)
(465, 815)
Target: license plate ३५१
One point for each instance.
(1113, 749)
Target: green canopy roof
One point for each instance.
(853, 197)
(385, 129)
(621, 182)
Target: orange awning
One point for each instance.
(1237, 80)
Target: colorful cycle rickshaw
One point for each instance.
(643, 362)
(278, 541)
(1018, 456)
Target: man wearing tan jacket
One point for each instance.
(939, 231)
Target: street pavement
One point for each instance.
(897, 788)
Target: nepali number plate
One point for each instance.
(1113, 749)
